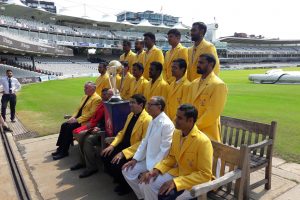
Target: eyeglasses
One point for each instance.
(153, 104)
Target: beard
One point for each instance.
(201, 71)
(137, 49)
(195, 37)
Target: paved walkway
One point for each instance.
(53, 180)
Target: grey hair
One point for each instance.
(161, 101)
(91, 83)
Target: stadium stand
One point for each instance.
(18, 73)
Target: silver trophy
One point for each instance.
(113, 68)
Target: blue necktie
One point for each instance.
(9, 86)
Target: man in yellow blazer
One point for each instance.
(138, 85)
(139, 49)
(201, 46)
(126, 80)
(188, 163)
(152, 54)
(208, 94)
(82, 114)
(157, 86)
(177, 51)
(128, 55)
(103, 80)
(127, 141)
(178, 90)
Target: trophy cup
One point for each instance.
(113, 67)
(116, 110)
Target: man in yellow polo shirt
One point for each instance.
(125, 144)
(177, 51)
(178, 90)
(188, 163)
(201, 46)
(157, 86)
(103, 80)
(152, 54)
(208, 94)
(128, 55)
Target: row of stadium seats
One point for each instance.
(77, 31)
(18, 73)
(53, 65)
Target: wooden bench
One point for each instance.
(233, 171)
(260, 139)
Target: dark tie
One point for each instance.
(9, 86)
(80, 110)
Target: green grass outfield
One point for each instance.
(41, 106)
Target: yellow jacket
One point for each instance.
(191, 162)
(209, 97)
(154, 54)
(202, 48)
(177, 95)
(102, 82)
(125, 86)
(178, 52)
(159, 88)
(130, 58)
(139, 58)
(138, 87)
(118, 81)
(89, 108)
(138, 133)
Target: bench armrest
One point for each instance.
(204, 188)
(260, 144)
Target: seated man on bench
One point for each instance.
(88, 136)
(85, 111)
(126, 142)
(188, 163)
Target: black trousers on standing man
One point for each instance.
(12, 99)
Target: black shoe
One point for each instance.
(124, 190)
(87, 173)
(5, 128)
(77, 166)
(13, 120)
(60, 156)
(118, 188)
(55, 153)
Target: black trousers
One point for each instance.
(12, 99)
(65, 137)
(115, 170)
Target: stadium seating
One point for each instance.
(18, 73)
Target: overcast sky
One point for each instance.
(271, 19)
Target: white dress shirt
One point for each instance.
(15, 85)
(157, 142)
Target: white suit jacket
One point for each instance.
(157, 142)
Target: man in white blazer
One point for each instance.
(153, 148)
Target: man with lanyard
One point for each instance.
(10, 86)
